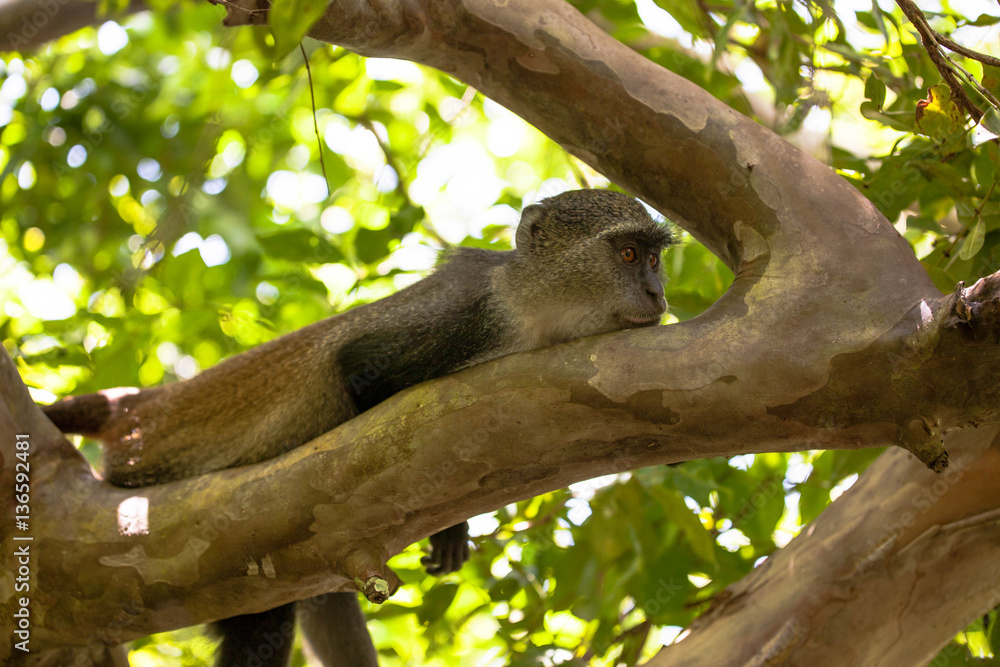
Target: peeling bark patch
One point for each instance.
(339, 476)
(749, 151)
(926, 314)
(179, 570)
(268, 566)
(648, 406)
(769, 195)
(590, 397)
(779, 646)
(671, 128)
(554, 44)
(754, 245)
(614, 387)
(693, 115)
(537, 61)
(602, 69)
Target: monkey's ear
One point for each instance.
(527, 229)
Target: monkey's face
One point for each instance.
(639, 282)
(600, 285)
(588, 262)
(623, 282)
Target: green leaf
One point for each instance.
(504, 589)
(372, 245)
(405, 219)
(353, 99)
(973, 243)
(984, 20)
(681, 515)
(983, 169)
(60, 356)
(300, 245)
(875, 91)
(436, 602)
(938, 115)
(994, 634)
(290, 20)
(922, 222)
(991, 78)
(722, 35)
(965, 211)
(879, 20)
(897, 120)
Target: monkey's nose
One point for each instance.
(659, 301)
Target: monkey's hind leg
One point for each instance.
(335, 632)
(257, 640)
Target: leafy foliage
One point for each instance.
(162, 206)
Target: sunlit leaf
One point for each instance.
(938, 115)
(988, 127)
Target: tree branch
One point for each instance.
(715, 172)
(967, 52)
(332, 511)
(941, 62)
(831, 596)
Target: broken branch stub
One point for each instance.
(976, 311)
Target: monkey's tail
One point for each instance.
(335, 632)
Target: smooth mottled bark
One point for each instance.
(832, 336)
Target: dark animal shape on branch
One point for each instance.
(587, 262)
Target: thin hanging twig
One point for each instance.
(390, 160)
(319, 140)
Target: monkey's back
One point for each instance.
(279, 395)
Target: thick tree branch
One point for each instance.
(714, 171)
(332, 511)
(28, 24)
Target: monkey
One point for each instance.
(585, 262)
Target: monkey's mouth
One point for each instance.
(644, 321)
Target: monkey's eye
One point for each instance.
(630, 254)
(654, 261)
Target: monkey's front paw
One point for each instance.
(449, 550)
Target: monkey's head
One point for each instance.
(588, 262)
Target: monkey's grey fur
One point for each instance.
(572, 275)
